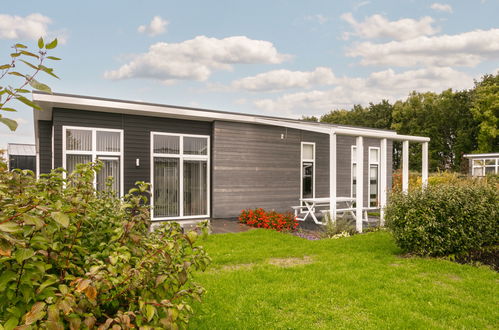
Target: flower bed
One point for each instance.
(269, 219)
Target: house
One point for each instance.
(483, 164)
(21, 156)
(213, 164)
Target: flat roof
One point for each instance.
(89, 103)
(203, 110)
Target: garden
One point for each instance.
(74, 257)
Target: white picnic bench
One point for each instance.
(311, 205)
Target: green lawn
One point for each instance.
(358, 282)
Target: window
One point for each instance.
(484, 166)
(307, 170)
(373, 176)
(180, 176)
(83, 145)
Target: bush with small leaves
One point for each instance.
(73, 257)
(446, 219)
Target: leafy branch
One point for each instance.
(21, 54)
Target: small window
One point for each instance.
(108, 141)
(195, 146)
(79, 139)
(308, 151)
(166, 144)
(373, 155)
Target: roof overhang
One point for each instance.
(49, 101)
(492, 155)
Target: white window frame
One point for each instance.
(302, 160)
(181, 156)
(369, 177)
(94, 153)
(496, 166)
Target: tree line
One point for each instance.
(457, 122)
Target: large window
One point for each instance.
(374, 177)
(180, 176)
(83, 145)
(307, 170)
(482, 167)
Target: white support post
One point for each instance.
(359, 192)
(424, 170)
(332, 176)
(405, 166)
(383, 180)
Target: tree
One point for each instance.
(485, 110)
(8, 93)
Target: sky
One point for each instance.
(284, 58)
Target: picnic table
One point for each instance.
(310, 205)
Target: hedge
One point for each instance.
(447, 219)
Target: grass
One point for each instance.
(266, 279)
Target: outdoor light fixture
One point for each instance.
(137, 162)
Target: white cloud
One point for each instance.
(197, 58)
(285, 79)
(377, 26)
(380, 85)
(361, 4)
(156, 27)
(321, 19)
(441, 7)
(465, 49)
(32, 26)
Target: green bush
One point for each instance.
(445, 219)
(72, 257)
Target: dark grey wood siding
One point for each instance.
(251, 165)
(137, 131)
(254, 167)
(45, 145)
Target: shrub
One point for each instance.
(445, 219)
(71, 257)
(436, 178)
(268, 219)
(337, 229)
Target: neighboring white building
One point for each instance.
(483, 164)
(21, 156)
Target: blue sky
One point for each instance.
(281, 58)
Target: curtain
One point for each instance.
(78, 139)
(108, 141)
(166, 144)
(110, 168)
(166, 187)
(195, 146)
(195, 187)
(72, 160)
